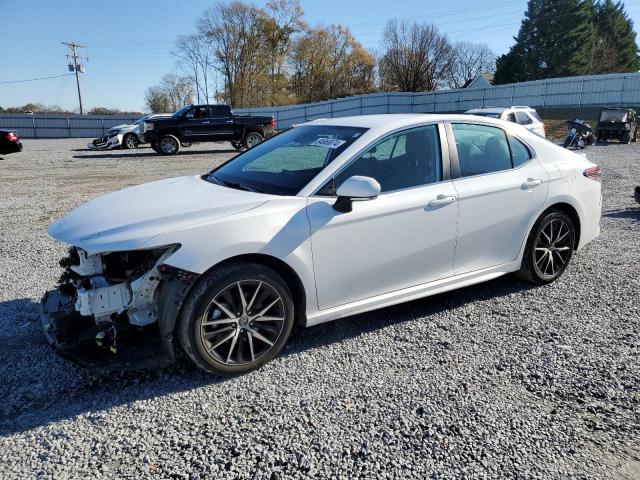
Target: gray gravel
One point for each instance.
(493, 381)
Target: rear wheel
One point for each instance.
(237, 319)
(130, 141)
(252, 139)
(549, 248)
(169, 145)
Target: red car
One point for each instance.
(9, 142)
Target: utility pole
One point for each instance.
(76, 67)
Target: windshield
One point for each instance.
(284, 164)
(181, 112)
(613, 116)
(485, 114)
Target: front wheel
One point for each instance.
(549, 248)
(626, 138)
(252, 139)
(237, 319)
(130, 141)
(169, 145)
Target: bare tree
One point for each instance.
(157, 100)
(196, 59)
(416, 58)
(469, 61)
(234, 32)
(178, 89)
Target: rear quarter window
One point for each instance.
(520, 153)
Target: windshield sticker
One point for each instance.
(325, 142)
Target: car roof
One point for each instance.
(396, 120)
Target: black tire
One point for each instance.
(536, 266)
(567, 142)
(130, 141)
(237, 145)
(169, 145)
(626, 137)
(251, 139)
(199, 305)
(155, 147)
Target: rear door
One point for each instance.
(222, 124)
(500, 188)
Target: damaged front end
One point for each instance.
(117, 309)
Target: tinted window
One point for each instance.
(481, 149)
(284, 164)
(511, 118)
(523, 119)
(407, 159)
(519, 152)
(220, 111)
(198, 112)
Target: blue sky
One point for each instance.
(129, 42)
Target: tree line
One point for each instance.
(248, 56)
(40, 108)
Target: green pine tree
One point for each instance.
(615, 48)
(556, 39)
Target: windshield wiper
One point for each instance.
(236, 185)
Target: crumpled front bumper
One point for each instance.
(74, 337)
(106, 143)
(78, 337)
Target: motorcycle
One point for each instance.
(579, 134)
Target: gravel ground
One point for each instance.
(496, 380)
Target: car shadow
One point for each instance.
(632, 213)
(150, 153)
(40, 387)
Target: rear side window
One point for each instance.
(220, 111)
(511, 118)
(481, 149)
(519, 152)
(523, 119)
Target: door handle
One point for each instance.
(531, 182)
(441, 200)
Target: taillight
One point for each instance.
(12, 137)
(594, 173)
(273, 122)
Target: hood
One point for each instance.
(126, 219)
(120, 127)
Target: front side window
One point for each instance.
(198, 112)
(481, 149)
(407, 159)
(284, 164)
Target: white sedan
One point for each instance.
(328, 219)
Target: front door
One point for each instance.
(500, 189)
(197, 125)
(403, 238)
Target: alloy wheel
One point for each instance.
(242, 322)
(168, 145)
(553, 248)
(253, 139)
(131, 142)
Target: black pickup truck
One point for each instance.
(206, 123)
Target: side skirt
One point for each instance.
(411, 293)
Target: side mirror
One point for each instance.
(356, 188)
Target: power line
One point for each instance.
(35, 79)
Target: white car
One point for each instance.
(124, 136)
(327, 219)
(522, 115)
